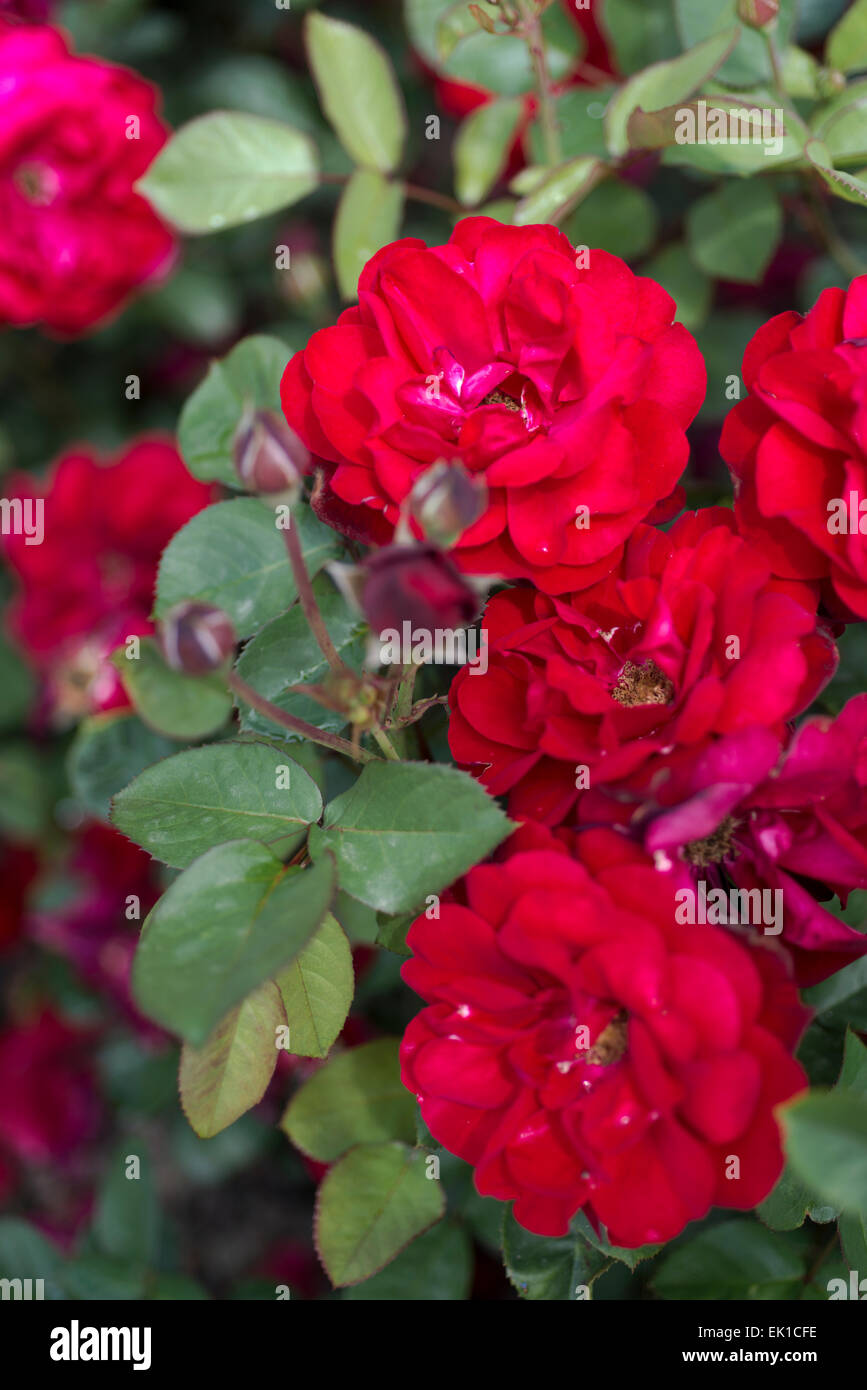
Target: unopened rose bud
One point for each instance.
(196, 638)
(270, 458)
(416, 584)
(756, 14)
(446, 500)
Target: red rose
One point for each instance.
(797, 447)
(90, 583)
(689, 640)
(48, 1102)
(77, 133)
(581, 1049)
(568, 389)
(748, 813)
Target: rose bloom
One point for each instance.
(91, 928)
(76, 239)
(797, 443)
(581, 1049)
(689, 640)
(49, 1104)
(90, 584)
(565, 388)
(749, 814)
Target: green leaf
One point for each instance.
(749, 61)
(285, 653)
(458, 22)
(616, 216)
(106, 753)
(369, 1206)
(500, 64)
(126, 1225)
(481, 148)
(405, 830)
(229, 167)
(169, 702)
(842, 129)
(580, 116)
(560, 1268)
(249, 375)
(230, 1073)
(559, 191)
(733, 232)
(233, 556)
(358, 91)
(233, 920)
(737, 1259)
(664, 83)
(641, 32)
(368, 217)
(689, 287)
(842, 999)
(827, 1144)
(846, 46)
(436, 1267)
(853, 1238)
(26, 1254)
(846, 186)
(187, 804)
(787, 1205)
(392, 933)
(317, 990)
(853, 1074)
(356, 1098)
(631, 1257)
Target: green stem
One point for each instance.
(531, 28)
(413, 191)
(385, 743)
(297, 726)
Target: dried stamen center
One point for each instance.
(610, 1046)
(500, 398)
(643, 685)
(36, 182)
(714, 848)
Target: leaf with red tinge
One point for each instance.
(226, 1077)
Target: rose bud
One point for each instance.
(446, 500)
(196, 638)
(757, 14)
(269, 457)
(417, 584)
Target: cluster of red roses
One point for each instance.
(583, 1045)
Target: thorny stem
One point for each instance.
(314, 618)
(412, 190)
(531, 29)
(297, 726)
